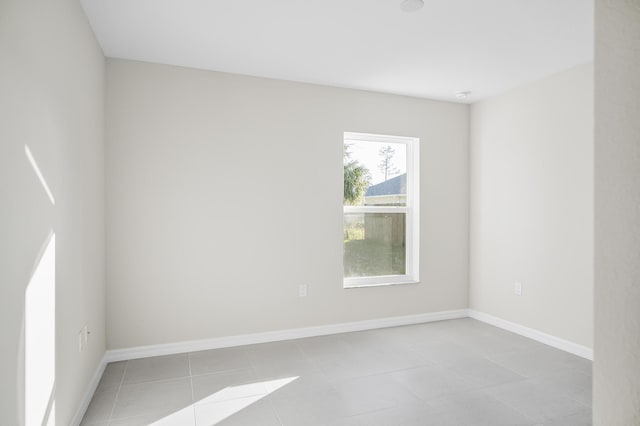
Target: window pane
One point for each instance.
(375, 174)
(374, 244)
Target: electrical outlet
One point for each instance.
(80, 341)
(85, 335)
(83, 338)
(517, 289)
(303, 290)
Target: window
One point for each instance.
(380, 210)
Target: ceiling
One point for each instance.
(486, 46)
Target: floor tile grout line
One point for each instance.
(274, 410)
(228, 370)
(193, 398)
(510, 406)
(161, 380)
(115, 401)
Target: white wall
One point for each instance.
(617, 214)
(51, 86)
(532, 205)
(224, 193)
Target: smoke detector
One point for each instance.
(463, 94)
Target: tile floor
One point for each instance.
(459, 372)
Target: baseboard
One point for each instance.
(91, 389)
(274, 336)
(547, 339)
(323, 330)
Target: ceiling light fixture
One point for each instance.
(463, 94)
(411, 5)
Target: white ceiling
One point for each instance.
(486, 46)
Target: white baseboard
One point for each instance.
(93, 385)
(274, 336)
(541, 337)
(323, 330)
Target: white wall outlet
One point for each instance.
(80, 341)
(303, 290)
(517, 289)
(83, 338)
(85, 335)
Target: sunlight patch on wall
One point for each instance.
(40, 343)
(36, 169)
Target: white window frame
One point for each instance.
(412, 211)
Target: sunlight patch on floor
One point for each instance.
(223, 404)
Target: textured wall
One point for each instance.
(617, 214)
(51, 100)
(224, 193)
(532, 205)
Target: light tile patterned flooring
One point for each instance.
(458, 372)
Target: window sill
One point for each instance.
(360, 284)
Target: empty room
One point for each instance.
(390, 212)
